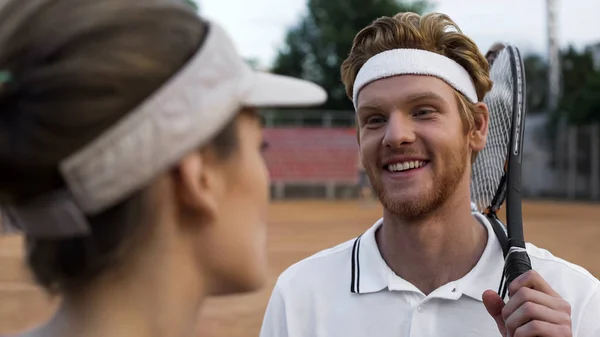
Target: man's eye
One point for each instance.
(375, 120)
(423, 112)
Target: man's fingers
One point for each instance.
(533, 280)
(535, 309)
(539, 328)
(530, 312)
(493, 304)
(525, 295)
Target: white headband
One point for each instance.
(414, 62)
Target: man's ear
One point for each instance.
(197, 185)
(479, 132)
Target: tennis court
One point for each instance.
(298, 229)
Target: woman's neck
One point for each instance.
(160, 296)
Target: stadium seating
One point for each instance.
(311, 156)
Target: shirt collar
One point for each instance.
(487, 273)
(369, 270)
(371, 274)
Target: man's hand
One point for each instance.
(534, 309)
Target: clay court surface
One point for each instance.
(297, 230)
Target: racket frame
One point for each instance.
(514, 214)
(509, 188)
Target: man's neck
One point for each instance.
(438, 249)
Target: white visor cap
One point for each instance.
(185, 113)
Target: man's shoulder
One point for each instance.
(572, 281)
(327, 264)
(549, 263)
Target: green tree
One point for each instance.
(580, 101)
(536, 75)
(316, 47)
(192, 3)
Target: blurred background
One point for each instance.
(312, 154)
(310, 39)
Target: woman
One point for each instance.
(130, 158)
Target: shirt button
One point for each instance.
(420, 308)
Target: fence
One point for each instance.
(312, 161)
(577, 162)
(275, 118)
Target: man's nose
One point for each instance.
(399, 131)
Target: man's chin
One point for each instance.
(404, 196)
(407, 205)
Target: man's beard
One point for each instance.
(442, 188)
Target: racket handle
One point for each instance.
(517, 263)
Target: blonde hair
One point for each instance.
(433, 32)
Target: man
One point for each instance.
(430, 266)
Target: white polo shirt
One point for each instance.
(349, 291)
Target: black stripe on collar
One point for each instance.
(355, 281)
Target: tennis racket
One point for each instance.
(496, 176)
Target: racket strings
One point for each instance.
(490, 165)
(488, 180)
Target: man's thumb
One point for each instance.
(494, 304)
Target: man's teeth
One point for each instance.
(405, 165)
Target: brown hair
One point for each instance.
(77, 67)
(433, 32)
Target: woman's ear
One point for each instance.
(478, 134)
(197, 185)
